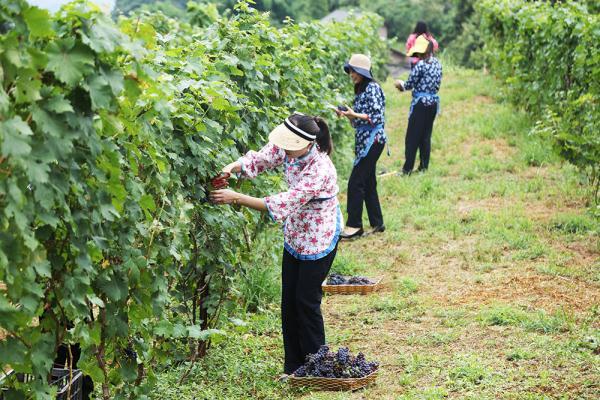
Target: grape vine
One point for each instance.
(549, 55)
(109, 135)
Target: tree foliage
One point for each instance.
(445, 18)
(549, 55)
(109, 134)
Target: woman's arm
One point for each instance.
(228, 196)
(373, 106)
(256, 162)
(351, 114)
(412, 80)
(279, 205)
(234, 167)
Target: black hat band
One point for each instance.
(304, 135)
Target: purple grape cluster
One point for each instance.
(342, 364)
(359, 280)
(337, 279)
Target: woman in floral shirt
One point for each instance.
(312, 221)
(424, 80)
(368, 119)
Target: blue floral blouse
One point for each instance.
(372, 103)
(425, 80)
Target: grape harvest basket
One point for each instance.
(67, 389)
(352, 289)
(332, 384)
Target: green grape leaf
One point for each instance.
(91, 368)
(163, 328)
(69, 60)
(16, 140)
(100, 92)
(38, 22)
(12, 351)
(59, 104)
(147, 203)
(49, 123)
(27, 87)
(38, 172)
(195, 332)
(42, 355)
(104, 36)
(43, 268)
(114, 288)
(179, 331)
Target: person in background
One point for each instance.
(424, 80)
(420, 29)
(312, 222)
(367, 116)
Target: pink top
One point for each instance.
(309, 209)
(410, 42)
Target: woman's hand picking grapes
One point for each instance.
(224, 196)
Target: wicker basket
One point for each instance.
(59, 377)
(339, 384)
(352, 289)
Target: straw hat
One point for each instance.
(420, 46)
(288, 136)
(361, 64)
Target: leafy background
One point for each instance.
(109, 135)
(110, 129)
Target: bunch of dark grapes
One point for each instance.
(130, 354)
(359, 280)
(336, 279)
(342, 364)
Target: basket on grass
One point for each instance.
(338, 384)
(69, 383)
(328, 370)
(352, 289)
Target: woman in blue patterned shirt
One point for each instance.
(367, 118)
(424, 80)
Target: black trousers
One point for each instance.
(418, 136)
(301, 318)
(362, 187)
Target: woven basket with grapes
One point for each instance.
(339, 284)
(326, 370)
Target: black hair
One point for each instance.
(362, 85)
(421, 28)
(316, 126)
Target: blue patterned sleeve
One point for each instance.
(414, 77)
(375, 103)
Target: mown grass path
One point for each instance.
(491, 264)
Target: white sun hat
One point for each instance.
(288, 136)
(361, 64)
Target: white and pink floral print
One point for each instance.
(309, 209)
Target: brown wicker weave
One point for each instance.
(339, 384)
(352, 289)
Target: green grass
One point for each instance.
(575, 223)
(539, 321)
(491, 262)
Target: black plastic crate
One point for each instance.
(59, 377)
